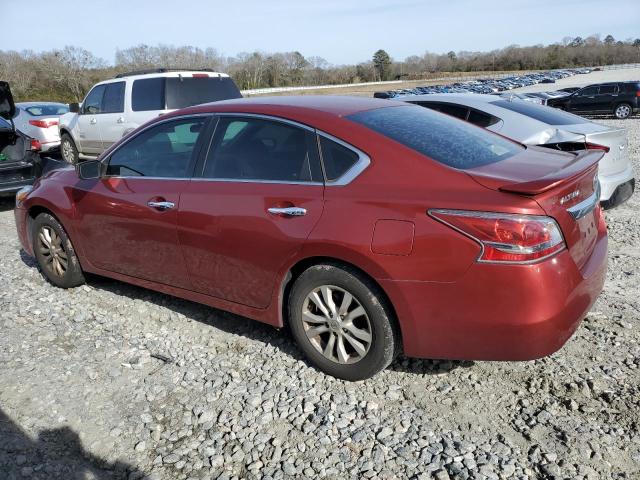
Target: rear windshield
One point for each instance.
(46, 110)
(186, 92)
(548, 115)
(445, 139)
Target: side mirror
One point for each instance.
(74, 107)
(89, 169)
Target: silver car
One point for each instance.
(40, 120)
(533, 124)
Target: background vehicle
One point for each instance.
(20, 163)
(532, 124)
(116, 107)
(39, 120)
(618, 98)
(443, 218)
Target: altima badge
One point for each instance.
(568, 197)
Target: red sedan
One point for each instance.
(367, 226)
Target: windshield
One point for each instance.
(46, 110)
(185, 92)
(445, 139)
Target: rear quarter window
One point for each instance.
(548, 115)
(148, 94)
(447, 140)
(188, 91)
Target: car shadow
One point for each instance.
(243, 326)
(7, 203)
(55, 454)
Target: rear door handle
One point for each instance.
(120, 120)
(288, 211)
(93, 121)
(161, 205)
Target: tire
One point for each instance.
(68, 149)
(622, 111)
(373, 328)
(51, 245)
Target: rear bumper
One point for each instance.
(609, 183)
(499, 312)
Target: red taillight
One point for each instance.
(638, 93)
(200, 75)
(506, 237)
(595, 146)
(35, 145)
(43, 123)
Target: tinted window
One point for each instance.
(481, 119)
(587, 92)
(46, 109)
(148, 94)
(258, 149)
(93, 103)
(113, 100)
(184, 92)
(440, 137)
(608, 89)
(165, 150)
(453, 110)
(549, 115)
(337, 159)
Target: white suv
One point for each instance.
(115, 107)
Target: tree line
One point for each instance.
(67, 74)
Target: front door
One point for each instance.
(89, 122)
(584, 100)
(259, 196)
(112, 118)
(128, 218)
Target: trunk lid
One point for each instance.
(565, 186)
(617, 159)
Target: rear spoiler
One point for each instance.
(583, 161)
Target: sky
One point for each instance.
(340, 31)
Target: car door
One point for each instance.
(259, 195)
(128, 217)
(112, 118)
(605, 99)
(88, 122)
(583, 100)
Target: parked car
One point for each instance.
(532, 124)
(20, 163)
(39, 120)
(621, 99)
(368, 226)
(115, 107)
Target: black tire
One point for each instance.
(68, 149)
(58, 270)
(622, 111)
(380, 321)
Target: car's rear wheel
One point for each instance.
(341, 321)
(54, 252)
(622, 111)
(68, 149)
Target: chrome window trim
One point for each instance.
(265, 117)
(356, 169)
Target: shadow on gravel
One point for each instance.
(55, 454)
(7, 203)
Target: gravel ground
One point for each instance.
(113, 381)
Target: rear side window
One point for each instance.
(148, 94)
(457, 111)
(442, 138)
(337, 159)
(113, 100)
(481, 119)
(548, 115)
(188, 91)
(608, 89)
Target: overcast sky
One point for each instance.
(341, 31)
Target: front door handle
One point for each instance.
(93, 121)
(162, 206)
(288, 211)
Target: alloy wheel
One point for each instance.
(67, 151)
(53, 252)
(623, 111)
(336, 324)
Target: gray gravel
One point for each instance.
(114, 381)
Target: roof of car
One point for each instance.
(166, 74)
(468, 99)
(32, 104)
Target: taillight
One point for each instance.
(43, 123)
(200, 75)
(638, 93)
(595, 146)
(36, 146)
(506, 237)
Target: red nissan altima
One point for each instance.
(367, 226)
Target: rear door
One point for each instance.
(112, 119)
(88, 122)
(259, 195)
(584, 100)
(606, 97)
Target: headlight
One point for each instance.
(22, 194)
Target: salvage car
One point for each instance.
(532, 124)
(115, 107)
(39, 120)
(367, 226)
(622, 99)
(20, 161)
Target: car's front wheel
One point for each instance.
(622, 111)
(342, 322)
(54, 252)
(68, 149)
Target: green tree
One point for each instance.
(609, 40)
(382, 64)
